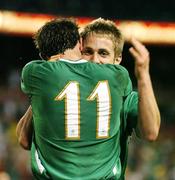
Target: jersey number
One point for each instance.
(71, 95)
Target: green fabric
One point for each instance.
(88, 157)
(128, 123)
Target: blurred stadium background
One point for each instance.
(152, 22)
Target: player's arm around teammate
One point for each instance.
(24, 129)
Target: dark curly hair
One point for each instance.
(56, 36)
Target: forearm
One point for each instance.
(148, 112)
(149, 115)
(24, 129)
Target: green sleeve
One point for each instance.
(132, 108)
(126, 84)
(128, 123)
(128, 88)
(26, 79)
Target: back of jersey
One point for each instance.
(76, 114)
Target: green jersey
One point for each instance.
(128, 123)
(76, 116)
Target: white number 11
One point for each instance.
(71, 95)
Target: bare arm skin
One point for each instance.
(149, 115)
(24, 129)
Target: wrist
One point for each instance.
(143, 76)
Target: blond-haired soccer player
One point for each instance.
(103, 43)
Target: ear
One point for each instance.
(118, 59)
(43, 57)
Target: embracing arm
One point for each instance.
(24, 129)
(148, 111)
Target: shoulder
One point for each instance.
(120, 71)
(121, 68)
(112, 67)
(33, 63)
(116, 68)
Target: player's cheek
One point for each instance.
(104, 60)
(87, 57)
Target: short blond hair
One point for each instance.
(107, 28)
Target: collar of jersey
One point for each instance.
(74, 62)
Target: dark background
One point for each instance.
(156, 10)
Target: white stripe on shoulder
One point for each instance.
(74, 61)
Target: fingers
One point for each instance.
(138, 49)
(138, 46)
(134, 53)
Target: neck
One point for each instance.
(70, 54)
